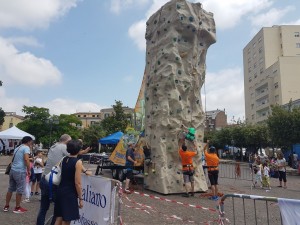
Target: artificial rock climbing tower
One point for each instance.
(178, 36)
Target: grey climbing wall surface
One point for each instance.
(178, 36)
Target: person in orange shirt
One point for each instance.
(212, 162)
(187, 167)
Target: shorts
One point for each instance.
(213, 176)
(188, 176)
(129, 174)
(37, 177)
(282, 176)
(17, 181)
(258, 178)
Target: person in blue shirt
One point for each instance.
(130, 161)
(20, 167)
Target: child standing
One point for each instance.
(257, 171)
(38, 165)
(27, 187)
(266, 177)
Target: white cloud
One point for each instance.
(270, 18)
(24, 14)
(28, 41)
(25, 68)
(68, 106)
(56, 106)
(227, 14)
(116, 6)
(225, 89)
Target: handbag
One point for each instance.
(8, 168)
(54, 176)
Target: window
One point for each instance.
(259, 39)
(78, 115)
(93, 115)
(261, 60)
(255, 75)
(252, 116)
(97, 115)
(276, 98)
(254, 55)
(250, 79)
(297, 45)
(254, 65)
(249, 70)
(297, 34)
(276, 85)
(84, 115)
(254, 44)
(274, 71)
(249, 50)
(249, 60)
(106, 115)
(261, 70)
(260, 50)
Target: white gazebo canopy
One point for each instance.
(14, 133)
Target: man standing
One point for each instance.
(17, 176)
(187, 167)
(55, 155)
(130, 161)
(212, 162)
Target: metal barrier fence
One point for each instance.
(235, 170)
(249, 209)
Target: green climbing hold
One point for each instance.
(178, 6)
(191, 19)
(177, 58)
(179, 72)
(158, 62)
(174, 39)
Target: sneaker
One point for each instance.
(37, 193)
(127, 191)
(26, 200)
(6, 208)
(19, 210)
(31, 193)
(185, 195)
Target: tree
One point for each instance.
(2, 115)
(47, 128)
(284, 126)
(92, 134)
(1, 83)
(118, 121)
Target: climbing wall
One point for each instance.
(178, 36)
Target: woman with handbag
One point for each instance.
(17, 175)
(68, 199)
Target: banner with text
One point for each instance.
(96, 195)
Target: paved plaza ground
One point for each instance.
(137, 209)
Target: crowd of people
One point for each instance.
(27, 177)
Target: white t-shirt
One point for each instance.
(37, 168)
(281, 162)
(266, 171)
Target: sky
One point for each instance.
(81, 55)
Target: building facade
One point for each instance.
(271, 70)
(93, 118)
(11, 119)
(215, 120)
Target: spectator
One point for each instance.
(212, 162)
(38, 166)
(69, 193)
(257, 168)
(281, 166)
(17, 175)
(130, 161)
(187, 167)
(55, 154)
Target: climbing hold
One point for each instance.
(179, 72)
(177, 58)
(158, 62)
(191, 19)
(155, 21)
(179, 98)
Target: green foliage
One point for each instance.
(284, 126)
(92, 135)
(2, 115)
(118, 121)
(46, 128)
(1, 83)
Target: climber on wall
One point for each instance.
(187, 166)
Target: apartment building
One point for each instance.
(215, 120)
(92, 118)
(271, 70)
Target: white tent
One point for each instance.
(14, 133)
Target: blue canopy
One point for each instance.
(111, 139)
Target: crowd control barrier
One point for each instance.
(254, 209)
(235, 170)
(101, 202)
